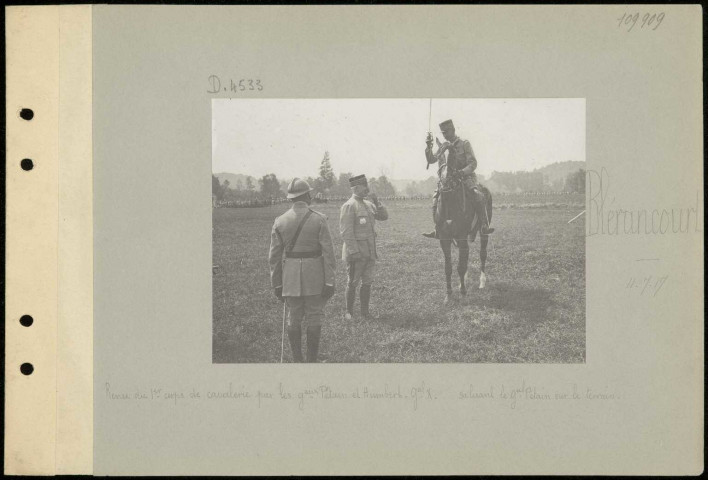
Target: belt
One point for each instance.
(303, 254)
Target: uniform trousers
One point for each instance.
(361, 271)
(309, 308)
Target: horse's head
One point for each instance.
(449, 180)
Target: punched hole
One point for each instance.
(27, 114)
(26, 369)
(27, 164)
(26, 320)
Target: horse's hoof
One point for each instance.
(463, 292)
(482, 281)
(448, 299)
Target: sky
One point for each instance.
(376, 137)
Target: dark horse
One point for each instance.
(456, 219)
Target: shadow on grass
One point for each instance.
(524, 305)
(528, 304)
(412, 320)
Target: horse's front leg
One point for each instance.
(462, 262)
(446, 246)
(483, 260)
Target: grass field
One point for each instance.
(532, 310)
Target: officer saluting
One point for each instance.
(460, 157)
(357, 225)
(302, 265)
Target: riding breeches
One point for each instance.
(309, 308)
(361, 271)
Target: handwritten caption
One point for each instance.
(512, 395)
(230, 85)
(648, 20)
(412, 396)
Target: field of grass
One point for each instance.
(531, 311)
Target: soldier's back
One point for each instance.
(309, 236)
(285, 221)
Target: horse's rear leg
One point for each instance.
(446, 246)
(483, 260)
(462, 263)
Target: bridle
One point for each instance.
(451, 181)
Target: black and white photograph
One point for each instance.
(398, 230)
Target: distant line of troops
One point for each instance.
(302, 259)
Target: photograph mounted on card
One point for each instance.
(414, 240)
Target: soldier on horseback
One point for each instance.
(460, 158)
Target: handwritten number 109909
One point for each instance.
(648, 20)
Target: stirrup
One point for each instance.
(433, 234)
(489, 231)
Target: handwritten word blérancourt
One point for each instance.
(606, 218)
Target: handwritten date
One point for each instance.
(648, 20)
(648, 285)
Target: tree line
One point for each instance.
(327, 184)
(270, 188)
(523, 182)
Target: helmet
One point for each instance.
(298, 187)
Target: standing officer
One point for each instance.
(356, 224)
(302, 265)
(460, 157)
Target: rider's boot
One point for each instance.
(434, 233)
(481, 209)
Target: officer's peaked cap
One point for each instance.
(446, 124)
(298, 187)
(358, 180)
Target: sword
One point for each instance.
(576, 216)
(282, 337)
(430, 133)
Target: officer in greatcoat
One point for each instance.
(460, 157)
(302, 266)
(357, 225)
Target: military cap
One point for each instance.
(358, 180)
(298, 187)
(446, 124)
